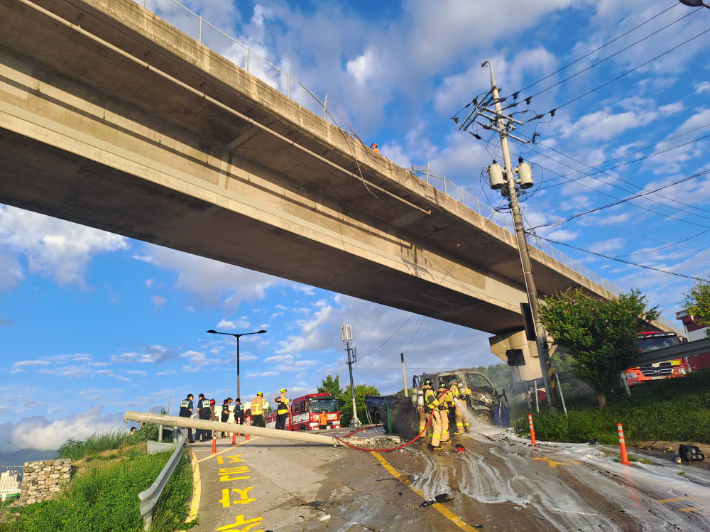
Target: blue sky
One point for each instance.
(93, 324)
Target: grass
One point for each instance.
(103, 495)
(98, 443)
(667, 410)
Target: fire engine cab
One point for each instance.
(305, 412)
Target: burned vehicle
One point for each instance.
(399, 414)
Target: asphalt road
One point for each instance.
(498, 483)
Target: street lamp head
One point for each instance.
(693, 3)
(262, 331)
(212, 331)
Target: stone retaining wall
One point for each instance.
(43, 480)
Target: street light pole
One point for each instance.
(237, 336)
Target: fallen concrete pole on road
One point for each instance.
(204, 424)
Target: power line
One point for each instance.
(612, 55)
(635, 151)
(619, 260)
(619, 202)
(605, 171)
(675, 4)
(621, 75)
(578, 182)
(668, 244)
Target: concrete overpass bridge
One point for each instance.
(112, 118)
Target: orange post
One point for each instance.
(532, 430)
(622, 444)
(234, 438)
(214, 442)
(247, 421)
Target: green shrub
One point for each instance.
(670, 410)
(104, 498)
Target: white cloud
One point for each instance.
(231, 325)
(109, 373)
(613, 244)
(54, 248)
(563, 235)
(604, 125)
(43, 434)
(263, 374)
(279, 358)
(671, 108)
(154, 354)
(29, 363)
(149, 283)
(700, 88)
(158, 301)
(10, 272)
(212, 282)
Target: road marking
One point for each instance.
(675, 499)
(552, 463)
(196, 488)
(440, 508)
(689, 509)
(228, 449)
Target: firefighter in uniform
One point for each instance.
(186, 411)
(257, 410)
(423, 410)
(446, 401)
(465, 393)
(432, 405)
(206, 414)
(282, 409)
(456, 394)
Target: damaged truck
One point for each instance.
(398, 414)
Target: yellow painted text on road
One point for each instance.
(242, 499)
(246, 524)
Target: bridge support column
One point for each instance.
(517, 340)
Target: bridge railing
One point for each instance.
(243, 56)
(281, 80)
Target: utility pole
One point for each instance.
(404, 376)
(346, 332)
(504, 126)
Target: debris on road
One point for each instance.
(441, 498)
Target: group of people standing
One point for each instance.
(226, 413)
(437, 405)
(207, 409)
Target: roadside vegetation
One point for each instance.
(697, 301)
(111, 469)
(664, 410)
(108, 441)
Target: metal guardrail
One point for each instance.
(199, 29)
(149, 498)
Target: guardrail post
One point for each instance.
(325, 104)
(559, 387)
(288, 84)
(445, 191)
(200, 28)
(248, 56)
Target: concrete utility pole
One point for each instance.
(346, 332)
(522, 243)
(404, 376)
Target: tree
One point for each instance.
(697, 302)
(331, 386)
(600, 335)
(346, 403)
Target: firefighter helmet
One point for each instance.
(261, 394)
(283, 390)
(428, 382)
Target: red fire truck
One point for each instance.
(651, 341)
(306, 410)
